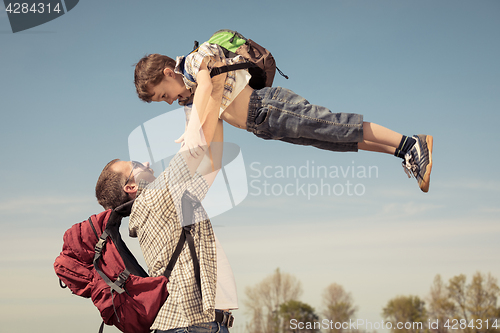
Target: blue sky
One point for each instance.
(68, 105)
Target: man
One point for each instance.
(157, 220)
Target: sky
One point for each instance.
(68, 106)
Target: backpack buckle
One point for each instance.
(122, 278)
(100, 246)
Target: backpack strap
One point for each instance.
(185, 236)
(189, 204)
(113, 222)
(192, 249)
(216, 70)
(227, 68)
(120, 281)
(184, 72)
(101, 328)
(125, 209)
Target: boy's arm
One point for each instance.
(215, 136)
(205, 112)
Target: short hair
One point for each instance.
(109, 188)
(149, 73)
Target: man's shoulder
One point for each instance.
(153, 205)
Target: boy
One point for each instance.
(269, 113)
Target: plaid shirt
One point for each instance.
(156, 220)
(214, 54)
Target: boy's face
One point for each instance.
(170, 89)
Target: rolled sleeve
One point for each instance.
(211, 53)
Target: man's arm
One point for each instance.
(212, 163)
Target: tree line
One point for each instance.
(454, 306)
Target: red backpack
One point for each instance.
(96, 263)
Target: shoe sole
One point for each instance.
(426, 180)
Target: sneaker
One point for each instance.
(418, 161)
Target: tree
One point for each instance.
(457, 294)
(265, 298)
(406, 314)
(301, 313)
(482, 295)
(339, 306)
(441, 307)
(465, 307)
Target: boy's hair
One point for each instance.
(149, 73)
(109, 188)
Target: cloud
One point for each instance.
(31, 211)
(489, 209)
(408, 208)
(473, 184)
(29, 204)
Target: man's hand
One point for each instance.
(193, 141)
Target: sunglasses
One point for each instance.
(135, 165)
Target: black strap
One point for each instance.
(125, 209)
(101, 328)
(93, 228)
(189, 204)
(281, 73)
(227, 68)
(175, 255)
(192, 249)
(185, 236)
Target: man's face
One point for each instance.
(170, 89)
(135, 171)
